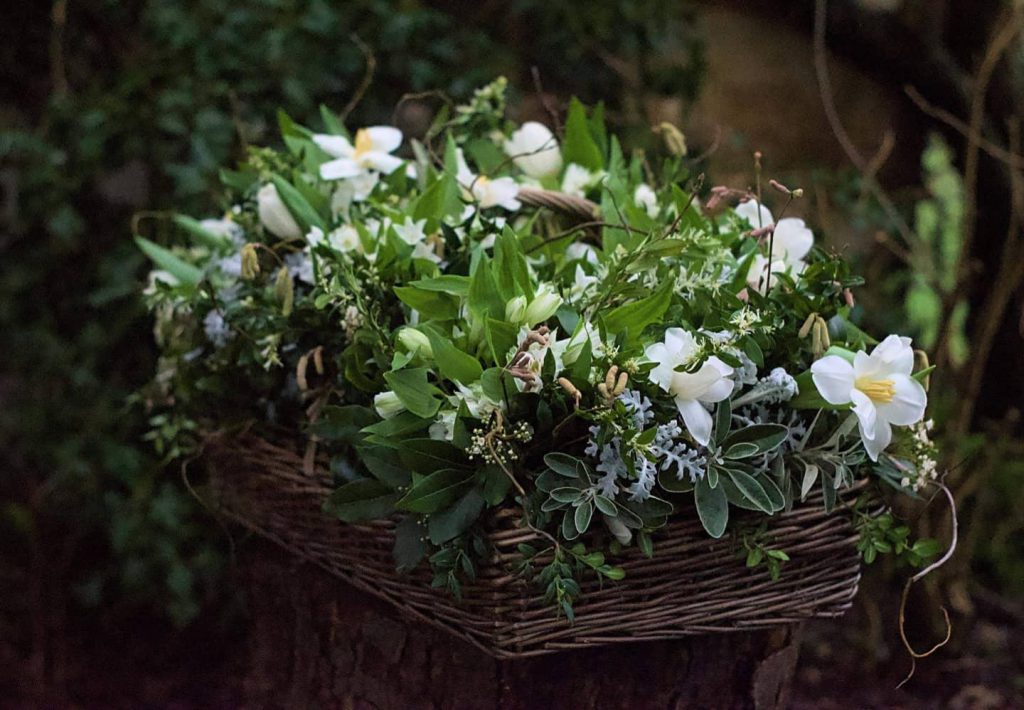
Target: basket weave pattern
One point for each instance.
(692, 585)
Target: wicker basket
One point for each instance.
(692, 585)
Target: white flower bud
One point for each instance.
(534, 150)
(388, 404)
(515, 310)
(543, 306)
(274, 215)
(415, 342)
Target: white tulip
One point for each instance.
(791, 243)
(534, 150)
(388, 404)
(878, 385)
(274, 215)
(709, 384)
(371, 152)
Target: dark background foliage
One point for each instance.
(112, 112)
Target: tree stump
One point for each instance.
(314, 642)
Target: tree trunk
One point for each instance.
(317, 643)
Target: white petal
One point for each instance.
(792, 239)
(383, 162)
(757, 218)
(502, 193)
(894, 355)
(874, 431)
(681, 343)
(695, 385)
(833, 376)
(907, 405)
(866, 412)
(338, 146)
(696, 418)
(340, 168)
(384, 138)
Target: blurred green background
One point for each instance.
(115, 111)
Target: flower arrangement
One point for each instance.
(454, 348)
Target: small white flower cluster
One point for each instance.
(498, 446)
(925, 453)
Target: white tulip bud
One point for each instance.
(534, 150)
(274, 215)
(388, 404)
(515, 310)
(415, 342)
(543, 306)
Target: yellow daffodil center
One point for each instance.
(364, 144)
(877, 390)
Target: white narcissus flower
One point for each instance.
(274, 215)
(534, 150)
(644, 196)
(879, 386)
(583, 284)
(708, 384)
(371, 152)
(577, 179)
(791, 243)
(500, 192)
(412, 234)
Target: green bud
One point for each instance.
(515, 310)
(284, 291)
(415, 342)
(250, 262)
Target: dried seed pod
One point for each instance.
(805, 329)
(284, 290)
(250, 262)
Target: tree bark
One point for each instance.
(317, 643)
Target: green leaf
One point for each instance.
(365, 499)
(300, 208)
(669, 482)
(579, 146)
(429, 455)
(431, 304)
(638, 315)
(200, 233)
(452, 362)
(411, 387)
(583, 515)
(566, 494)
(436, 491)
(712, 507)
(496, 484)
(446, 283)
(723, 420)
(751, 489)
(564, 464)
(342, 424)
(606, 505)
(569, 531)
(512, 273)
(455, 520)
(764, 437)
(398, 426)
(410, 546)
(177, 267)
(440, 199)
(741, 450)
(484, 299)
(332, 124)
(385, 465)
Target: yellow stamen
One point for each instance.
(364, 143)
(877, 390)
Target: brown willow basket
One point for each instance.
(692, 585)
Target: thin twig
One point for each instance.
(371, 68)
(832, 114)
(556, 120)
(914, 655)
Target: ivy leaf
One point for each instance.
(365, 499)
(712, 507)
(411, 387)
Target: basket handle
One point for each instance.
(560, 201)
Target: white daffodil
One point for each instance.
(371, 152)
(534, 150)
(708, 384)
(500, 192)
(878, 385)
(274, 215)
(644, 196)
(790, 244)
